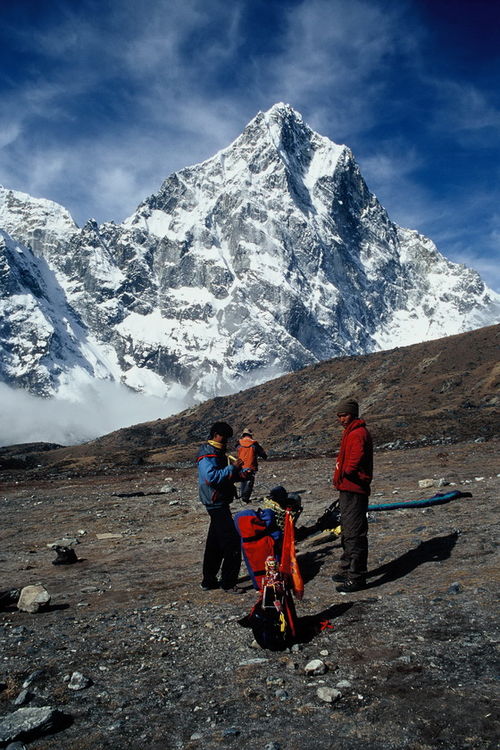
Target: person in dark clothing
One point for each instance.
(352, 477)
(216, 482)
(249, 450)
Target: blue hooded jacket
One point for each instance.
(216, 477)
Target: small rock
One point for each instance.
(455, 588)
(23, 697)
(33, 598)
(249, 662)
(16, 746)
(424, 483)
(67, 541)
(32, 721)
(273, 746)
(316, 666)
(33, 677)
(196, 736)
(443, 482)
(328, 694)
(79, 682)
(479, 479)
(343, 685)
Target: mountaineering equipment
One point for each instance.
(439, 498)
(330, 521)
(273, 618)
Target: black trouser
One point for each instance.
(246, 488)
(222, 547)
(354, 536)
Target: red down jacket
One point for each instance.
(354, 467)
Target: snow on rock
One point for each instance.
(270, 256)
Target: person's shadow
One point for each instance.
(311, 562)
(433, 550)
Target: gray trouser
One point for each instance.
(354, 536)
(246, 488)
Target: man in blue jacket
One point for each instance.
(216, 480)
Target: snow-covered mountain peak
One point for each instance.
(269, 256)
(38, 223)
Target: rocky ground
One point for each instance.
(168, 666)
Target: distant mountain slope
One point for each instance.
(268, 257)
(441, 390)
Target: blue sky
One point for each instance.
(103, 99)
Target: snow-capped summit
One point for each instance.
(269, 256)
(37, 222)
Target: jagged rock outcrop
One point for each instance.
(268, 257)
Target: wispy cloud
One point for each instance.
(106, 100)
(102, 408)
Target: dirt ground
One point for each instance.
(413, 655)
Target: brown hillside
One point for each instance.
(445, 390)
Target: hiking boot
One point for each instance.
(234, 590)
(209, 586)
(339, 577)
(348, 587)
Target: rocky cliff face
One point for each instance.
(270, 256)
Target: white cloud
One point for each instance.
(102, 408)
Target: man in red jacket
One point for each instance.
(352, 477)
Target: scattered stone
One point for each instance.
(343, 685)
(33, 677)
(455, 588)
(79, 682)
(109, 535)
(167, 488)
(249, 662)
(29, 722)
(67, 541)
(316, 666)
(443, 482)
(33, 598)
(328, 694)
(196, 736)
(273, 746)
(24, 697)
(16, 746)
(424, 483)
(479, 479)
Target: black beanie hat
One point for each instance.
(348, 406)
(279, 495)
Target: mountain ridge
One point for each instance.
(438, 392)
(268, 257)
